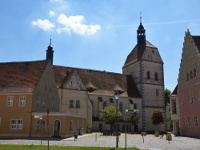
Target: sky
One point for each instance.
(96, 34)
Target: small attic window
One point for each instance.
(100, 99)
(111, 100)
(130, 101)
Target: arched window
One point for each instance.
(71, 126)
(156, 76)
(194, 72)
(191, 75)
(120, 106)
(77, 104)
(148, 74)
(104, 105)
(40, 125)
(71, 104)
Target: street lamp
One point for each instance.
(117, 98)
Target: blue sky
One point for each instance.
(96, 34)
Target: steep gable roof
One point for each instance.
(175, 91)
(20, 76)
(137, 52)
(104, 82)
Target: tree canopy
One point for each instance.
(157, 118)
(132, 118)
(167, 96)
(109, 115)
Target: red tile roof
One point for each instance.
(137, 53)
(104, 82)
(20, 76)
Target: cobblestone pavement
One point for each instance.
(133, 140)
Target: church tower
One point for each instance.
(49, 53)
(145, 65)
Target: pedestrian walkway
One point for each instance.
(133, 140)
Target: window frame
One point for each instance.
(77, 104)
(10, 102)
(22, 102)
(71, 126)
(148, 75)
(16, 124)
(44, 103)
(71, 103)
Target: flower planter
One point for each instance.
(143, 133)
(168, 137)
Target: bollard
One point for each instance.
(96, 137)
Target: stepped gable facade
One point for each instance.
(189, 86)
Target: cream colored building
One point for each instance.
(145, 65)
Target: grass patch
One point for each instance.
(55, 147)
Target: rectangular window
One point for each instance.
(191, 98)
(44, 103)
(53, 105)
(71, 104)
(10, 101)
(199, 96)
(196, 121)
(71, 125)
(22, 100)
(157, 92)
(38, 102)
(183, 121)
(188, 121)
(77, 104)
(16, 124)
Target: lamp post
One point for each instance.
(48, 126)
(41, 126)
(126, 111)
(117, 98)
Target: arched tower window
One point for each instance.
(148, 74)
(156, 76)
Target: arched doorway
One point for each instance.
(57, 128)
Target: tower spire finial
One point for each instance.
(50, 39)
(140, 17)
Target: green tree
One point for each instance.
(133, 119)
(157, 118)
(167, 96)
(109, 116)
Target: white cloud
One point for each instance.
(43, 24)
(74, 24)
(55, 1)
(52, 13)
